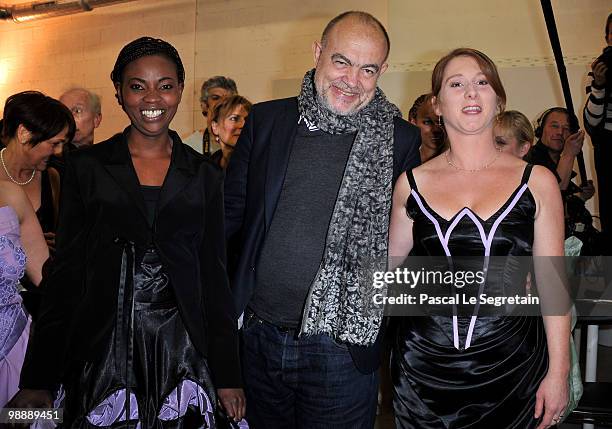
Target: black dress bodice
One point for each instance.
(470, 370)
(509, 229)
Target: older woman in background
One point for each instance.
(35, 127)
(227, 119)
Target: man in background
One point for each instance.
(557, 149)
(87, 111)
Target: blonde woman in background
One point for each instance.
(513, 133)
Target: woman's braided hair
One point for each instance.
(143, 47)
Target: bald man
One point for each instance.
(86, 109)
(310, 347)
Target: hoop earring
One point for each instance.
(439, 120)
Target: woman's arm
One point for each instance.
(32, 238)
(400, 229)
(552, 395)
(220, 314)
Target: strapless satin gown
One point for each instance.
(438, 381)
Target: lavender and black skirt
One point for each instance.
(151, 375)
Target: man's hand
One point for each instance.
(573, 144)
(588, 190)
(599, 73)
(233, 402)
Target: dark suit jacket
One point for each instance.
(253, 184)
(101, 205)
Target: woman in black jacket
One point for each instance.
(138, 305)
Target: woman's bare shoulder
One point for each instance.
(542, 180)
(13, 195)
(430, 167)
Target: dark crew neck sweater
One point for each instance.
(294, 245)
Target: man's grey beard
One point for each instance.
(322, 101)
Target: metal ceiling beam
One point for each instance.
(51, 9)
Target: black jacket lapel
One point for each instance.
(281, 143)
(119, 166)
(179, 174)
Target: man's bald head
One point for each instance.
(349, 59)
(86, 109)
(362, 18)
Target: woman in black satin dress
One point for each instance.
(137, 322)
(471, 371)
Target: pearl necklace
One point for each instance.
(9, 174)
(487, 165)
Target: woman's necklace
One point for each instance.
(9, 174)
(487, 165)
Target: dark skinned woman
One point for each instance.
(139, 290)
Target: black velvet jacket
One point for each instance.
(102, 207)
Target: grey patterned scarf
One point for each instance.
(340, 300)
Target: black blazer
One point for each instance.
(253, 184)
(102, 206)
